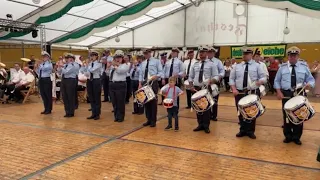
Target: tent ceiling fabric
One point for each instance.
(306, 7)
(91, 22)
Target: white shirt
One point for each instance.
(82, 77)
(16, 76)
(186, 64)
(264, 68)
(27, 78)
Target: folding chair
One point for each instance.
(82, 96)
(30, 91)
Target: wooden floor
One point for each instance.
(34, 146)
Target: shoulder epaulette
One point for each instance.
(304, 63)
(284, 64)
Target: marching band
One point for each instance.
(201, 79)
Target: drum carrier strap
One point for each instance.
(174, 92)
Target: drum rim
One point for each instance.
(248, 96)
(304, 102)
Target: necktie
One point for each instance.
(134, 71)
(201, 73)
(111, 76)
(146, 71)
(293, 77)
(41, 70)
(189, 68)
(245, 76)
(64, 68)
(171, 68)
(91, 74)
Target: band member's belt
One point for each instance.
(246, 91)
(44, 77)
(70, 78)
(118, 81)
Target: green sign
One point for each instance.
(266, 51)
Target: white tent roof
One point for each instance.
(161, 23)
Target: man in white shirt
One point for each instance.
(188, 63)
(16, 74)
(24, 84)
(258, 59)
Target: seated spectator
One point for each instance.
(24, 84)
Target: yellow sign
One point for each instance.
(266, 50)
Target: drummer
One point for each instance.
(285, 83)
(211, 55)
(134, 74)
(188, 63)
(174, 68)
(150, 71)
(202, 73)
(245, 78)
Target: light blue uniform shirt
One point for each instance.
(178, 68)
(210, 71)
(136, 74)
(220, 66)
(94, 69)
(283, 77)
(237, 74)
(170, 94)
(45, 69)
(120, 74)
(154, 68)
(107, 70)
(70, 70)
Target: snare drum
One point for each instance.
(298, 109)
(215, 90)
(186, 84)
(144, 95)
(202, 101)
(168, 103)
(251, 107)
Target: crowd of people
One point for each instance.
(121, 75)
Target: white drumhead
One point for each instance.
(248, 99)
(214, 86)
(293, 102)
(186, 82)
(200, 93)
(167, 100)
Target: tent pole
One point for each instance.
(247, 20)
(214, 22)
(132, 38)
(185, 28)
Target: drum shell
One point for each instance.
(255, 107)
(147, 93)
(207, 97)
(298, 119)
(168, 103)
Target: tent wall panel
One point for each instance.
(125, 42)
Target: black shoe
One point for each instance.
(105, 101)
(67, 115)
(134, 113)
(252, 136)
(188, 107)
(90, 109)
(112, 111)
(146, 124)
(214, 119)
(43, 112)
(71, 115)
(140, 113)
(297, 142)
(168, 128)
(282, 126)
(176, 129)
(48, 112)
(241, 134)
(120, 120)
(286, 140)
(207, 130)
(116, 120)
(91, 117)
(153, 125)
(198, 129)
(96, 118)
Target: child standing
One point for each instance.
(171, 91)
